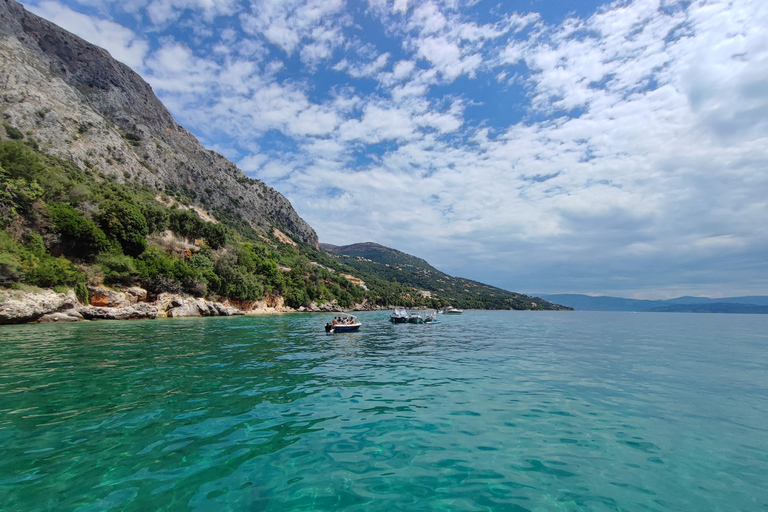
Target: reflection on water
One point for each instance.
(488, 410)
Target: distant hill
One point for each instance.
(750, 304)
(395, 266)
(715, 307)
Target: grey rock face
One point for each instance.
(81, 104)
(135, 312)
(28, 307)
(70, 315)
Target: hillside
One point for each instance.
(100, 186)
(73, 100)
(396, 266)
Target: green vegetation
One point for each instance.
(395, 266)
(64, 226)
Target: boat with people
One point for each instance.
(399, 316)
(343, 322)
(453, 311)
(431, 317)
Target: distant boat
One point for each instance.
(343, 322)
(415, 318)
(453, 311)
(399, 316)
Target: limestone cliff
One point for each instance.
(79, 103)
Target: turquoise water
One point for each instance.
(539, 411)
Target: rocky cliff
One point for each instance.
(78, 103)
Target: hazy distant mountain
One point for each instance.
(393, 265)
(715, 307)
(579, 302)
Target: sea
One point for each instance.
(486, 411)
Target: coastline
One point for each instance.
(50, 306)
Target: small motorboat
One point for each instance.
(453, 311)
(343, 322)
(431, 318)
(399, 316)
(415, 318)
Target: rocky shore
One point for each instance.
(46, 306)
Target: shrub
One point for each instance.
(49, 271)
(10, 269)
(297, 297)
(215, 235)
(163, 284)
(126, 224)
(156, 216)
(80, 236)
(118, 269)
(81, 292)
(13, 133)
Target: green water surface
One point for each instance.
(537, 411)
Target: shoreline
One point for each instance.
(49, 306)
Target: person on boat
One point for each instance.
(335, 321)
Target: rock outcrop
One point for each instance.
(175, 306)
(47, 306)
(20, 307)
(136, 312)
(79, 103)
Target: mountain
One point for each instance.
(395, 266)
(76, 102)
(100, 186)
(751, 304)
(714, 307)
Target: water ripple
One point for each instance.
(490, 410)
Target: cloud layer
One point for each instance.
(620, 151)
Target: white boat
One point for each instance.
(453, 311)
(343, 322)
(399, 316)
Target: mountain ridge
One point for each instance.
(582, 302)
(396, 266)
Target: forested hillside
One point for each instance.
(67, 227)
(396, 266)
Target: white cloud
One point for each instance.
(379, 124)
(428, 19)
(403, 68)
(367, 69)
(400, 6)
(175, 69)
(285, 23)
(165, 11)
(447, 57)
(659, 162)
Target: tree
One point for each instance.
(125, 223)
(80, 236)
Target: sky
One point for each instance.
(541, 146)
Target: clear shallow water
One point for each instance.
(486, 411)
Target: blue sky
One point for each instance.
(541, 146)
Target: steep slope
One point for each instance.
(393, 265)
(80, 104)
